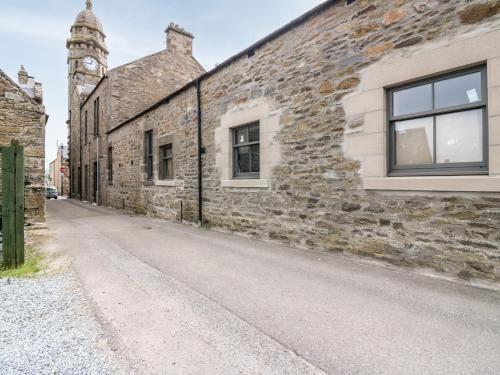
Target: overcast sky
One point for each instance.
(34, 32)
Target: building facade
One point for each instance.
(100, 99)
(363, 127)
(23, 118)
(59, 171)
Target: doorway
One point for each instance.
(94, 184)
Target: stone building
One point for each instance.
(363, 127)
(23, 118)
(59, 171)
(100, 99)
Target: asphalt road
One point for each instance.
(181, 300)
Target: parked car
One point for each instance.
(51, 192)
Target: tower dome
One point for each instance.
(87, 52)
(88, 18)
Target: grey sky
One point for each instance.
(33, 33)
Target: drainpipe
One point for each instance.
(97, 198)
(200, 152)
(80, 181)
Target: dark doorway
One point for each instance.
(86, 184)
(94, 184)
(78, 189)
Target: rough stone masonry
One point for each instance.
(23, 118)
(323, 138)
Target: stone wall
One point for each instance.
(23, 119)
(125, 92)
(314, 197)
(171, 199)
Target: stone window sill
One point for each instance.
(435, 183)
(246, 183)
(165, 183)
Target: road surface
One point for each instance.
(182, 300)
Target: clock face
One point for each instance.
(90, 63)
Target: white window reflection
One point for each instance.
(459, 137)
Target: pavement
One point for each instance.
(182, 300)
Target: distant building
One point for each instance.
(23, 118)
(59, 171)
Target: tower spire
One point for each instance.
(89, 4)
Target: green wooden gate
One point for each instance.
(13, 205)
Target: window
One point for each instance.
(439, 126)
(86, 126)
(86, 184)
(110, 164)
(246, 155)
(96, 117)
(166, 170)
(148, 154)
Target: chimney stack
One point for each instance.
(29, 85)
(179, 40)
(22, 76)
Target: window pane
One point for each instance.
(413, 100)
(414, 141)
(241, 136)
(459, 90)
(243, 165)
(167, 151)
(459, 137)
(253, 133)
(150, 167)
(170, 168)
(255, 150)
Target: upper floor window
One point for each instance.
(166, 170)
(86, 130)
(148, 154)
(246, 154)
(110, 163)
(438, 126)
(96, 117)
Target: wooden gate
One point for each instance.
(13, 205)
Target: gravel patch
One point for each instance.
(46, 327)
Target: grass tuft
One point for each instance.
(31, 267)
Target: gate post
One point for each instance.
(19, 185)
(13, 205)
(8, 211)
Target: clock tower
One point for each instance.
(87, 64)
(87, 52)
